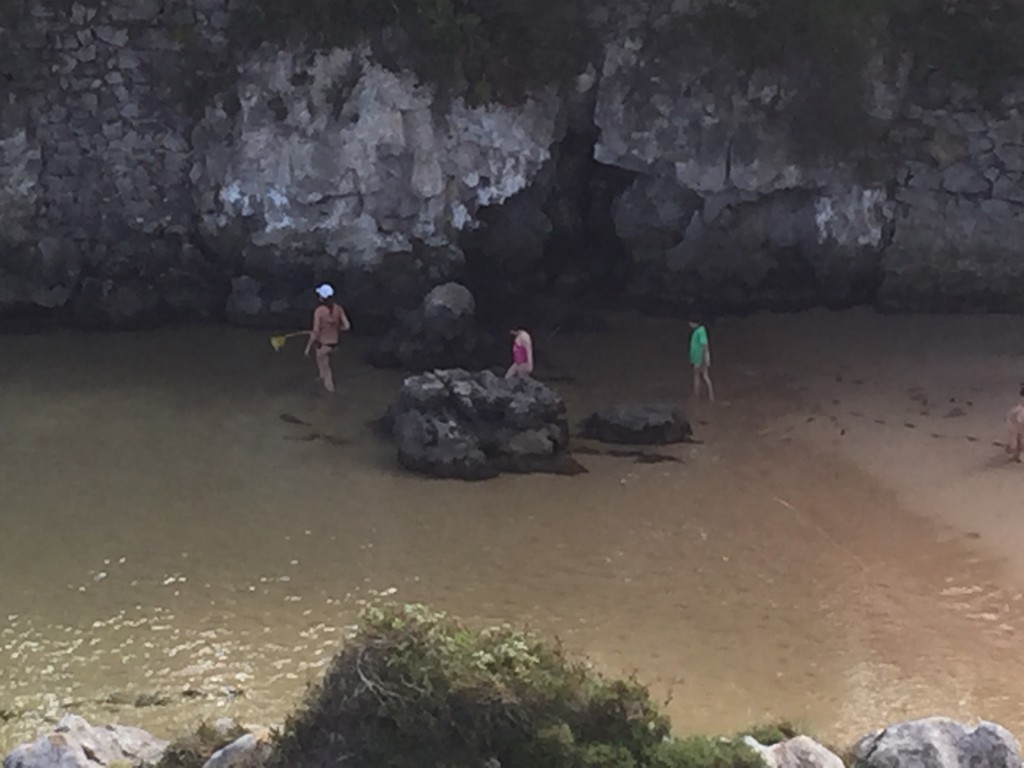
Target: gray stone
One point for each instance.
(117, 36)
(939, 743)
(798, 752)
(473, 426)
(86, 53)
(74, 743)
(1007, 188)
(441, 333)
(249, 751)
(964, 179)
(638, 425)
(244, 303)
(451, 300)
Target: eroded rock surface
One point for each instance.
(939, 742)
(473, 426)
(151, 169)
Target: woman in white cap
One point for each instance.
(329, 322)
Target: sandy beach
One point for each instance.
(919, 404)
(840, 548)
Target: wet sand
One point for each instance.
(166, 532)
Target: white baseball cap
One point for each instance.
(325, 291)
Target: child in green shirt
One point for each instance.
(700, 358)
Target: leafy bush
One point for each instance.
(415, 688)
(704, 752)
(774, 733)
(194, 749)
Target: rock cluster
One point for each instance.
(473, 426)
(930, 743)
(74, 743)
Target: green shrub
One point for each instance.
(193, 750)
(704, 752)
(774, 733)
(416, 688)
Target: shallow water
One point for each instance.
(170, 541)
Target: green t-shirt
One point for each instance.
(698, 342)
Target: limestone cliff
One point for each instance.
(736, 154)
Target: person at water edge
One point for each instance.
(522, 354)
(700, 358)
(1015, 422)
(329, 322)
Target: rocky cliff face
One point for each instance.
(150, 169)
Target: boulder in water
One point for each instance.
(473, 426)
(442, 332)
(73, 743)
(656, 424)
(938, 742)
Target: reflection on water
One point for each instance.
(173, 549)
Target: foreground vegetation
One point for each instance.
(417, 688)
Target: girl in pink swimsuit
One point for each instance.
(522, 355)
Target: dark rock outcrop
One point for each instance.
(638, 425)
(148, 163)
(474, 426)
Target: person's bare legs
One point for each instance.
(1017, 441)
(706, 375)
(702, 373)
(517, 371)
(323, 364)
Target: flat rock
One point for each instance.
(938, 742)
(74, 743)
(654, 424)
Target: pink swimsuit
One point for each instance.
(519, 355)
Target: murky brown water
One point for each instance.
(164, 531)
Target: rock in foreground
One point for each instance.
(656, 424)
(938, 742)
(249, 751)
(74, 743)
(798, 752)
(473, 426)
